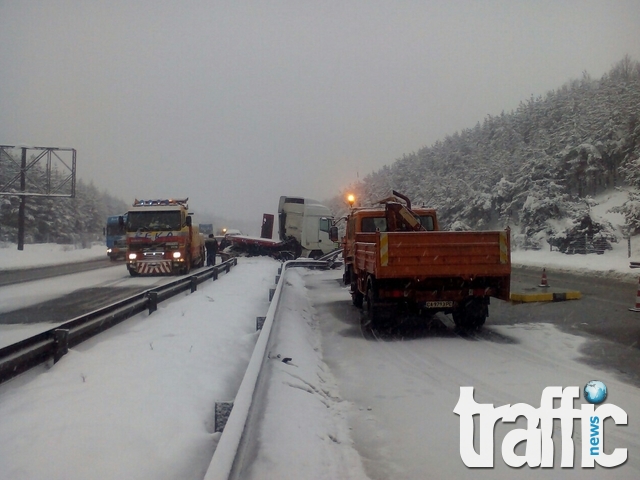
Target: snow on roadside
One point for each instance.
(44, 254)
(303, 421)
(154, 382)
(137, 401)
(613, 263)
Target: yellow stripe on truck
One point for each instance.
(384, 249)
(503, 248)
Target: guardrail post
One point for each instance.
(153, 301)
(61, 339)
(222, 412)
(277, 279)
(272, 291)
(260, 322)
(194, 283)
(215, 274)
(228, 267)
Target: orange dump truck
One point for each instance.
(161, 238)
(395, 255)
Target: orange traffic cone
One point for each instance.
(543, 282)
(637, 307)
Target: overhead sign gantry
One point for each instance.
(36, 172)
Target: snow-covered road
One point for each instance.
(402, 390)
(137, 401)
(349, 404)
(15, 297)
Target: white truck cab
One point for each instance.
(309, 222)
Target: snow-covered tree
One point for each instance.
(532, 166)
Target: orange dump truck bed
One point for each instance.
(423, 255)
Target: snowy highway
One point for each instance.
(30, 307)
(403, 385)
(352, 403)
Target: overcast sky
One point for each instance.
(234, 103)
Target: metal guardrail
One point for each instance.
(229, 446)
(53, 344)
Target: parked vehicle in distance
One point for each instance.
(205, 228)
(116, 238)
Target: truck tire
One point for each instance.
(133, 272)
(470, 314)
(346, 277)
(357, 297)
(373, 309)
(187, 267)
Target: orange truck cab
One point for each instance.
(394, 255)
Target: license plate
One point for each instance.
(440, 304)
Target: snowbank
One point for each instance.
(613, 263)
(137, 401)
(44, 254)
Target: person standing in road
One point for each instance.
(211, 245)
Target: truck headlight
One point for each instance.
(132, 256)
(176, 255)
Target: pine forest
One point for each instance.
(535, 170)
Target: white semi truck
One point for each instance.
(309, 222)
(305, 229)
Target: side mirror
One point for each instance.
(188, 220)
(333, 234)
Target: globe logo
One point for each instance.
(595, 392)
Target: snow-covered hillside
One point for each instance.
(534, 169)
